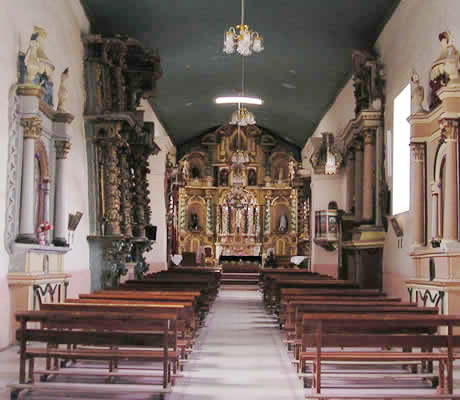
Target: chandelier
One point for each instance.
(242, 117)
(241, 38)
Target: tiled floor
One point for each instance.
(238, 355)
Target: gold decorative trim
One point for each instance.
(32, 127)
(29, 89)
(62, 148)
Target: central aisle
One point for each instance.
(239, 355)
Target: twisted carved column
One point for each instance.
(125, 192)
(139, 166)
(32, 131)
(368, 175)
(111, 183)
(418, 150)
(358, 178)
(449, 131)
(60, 220)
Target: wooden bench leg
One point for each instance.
(31, 369)
(440, 388)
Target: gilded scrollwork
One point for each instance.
(32, 127)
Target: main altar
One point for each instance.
(235, 192)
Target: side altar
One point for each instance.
(235, 192)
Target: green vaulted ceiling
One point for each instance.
(306, 61)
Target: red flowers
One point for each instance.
(45, 227)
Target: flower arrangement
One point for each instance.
(43, 232)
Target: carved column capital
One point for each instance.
(350, 154)
(369, 136)
(449, 128)
(62, 148)
(358, 144)
(32, 127)
(419, 151)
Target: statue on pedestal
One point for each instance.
(282, 227)
(63, 92)
(194, 222)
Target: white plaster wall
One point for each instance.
(64, 20)
(156, 258)
(409, 40)
(324, 189)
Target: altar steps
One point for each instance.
(247, 280)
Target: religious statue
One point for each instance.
(280, 174)
(31, 60)
(223, 179)
(282, 226)
(185, 171)
(452, 64)
(63, 92)
(417, 94)
(196, 174)
(194, 224)
(252, 177)
(439, 76)
(291, 170)
(39, 67)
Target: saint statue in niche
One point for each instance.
(282, 226)
(223, 179)
(252, 178)
(194, 222)
(196, 173)
(280, 174)
(185, 171)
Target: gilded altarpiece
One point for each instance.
(119, 71)
(236, 193)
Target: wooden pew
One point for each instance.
(177, 326)
(206, 294)
(270, 280)
(319, 287)
(298, 329)
(152, 296)
(186, 319)
(114, 331)
(291, 300)
(380, 330)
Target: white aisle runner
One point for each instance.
(239, 355)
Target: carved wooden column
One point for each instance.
(368, 175)
(32, 131)
(449, 131)
(60, 218)
(209, 219)
(358, 178)
(349, 167)
(418, 150)
(110, 181)
(125, 192)
(139, 165)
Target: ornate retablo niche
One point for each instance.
(235, 191)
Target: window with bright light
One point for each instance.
(401, 152)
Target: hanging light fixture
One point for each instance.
(242, 39)
(242, 117)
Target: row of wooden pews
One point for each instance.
(333, 322)
(140, 333)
